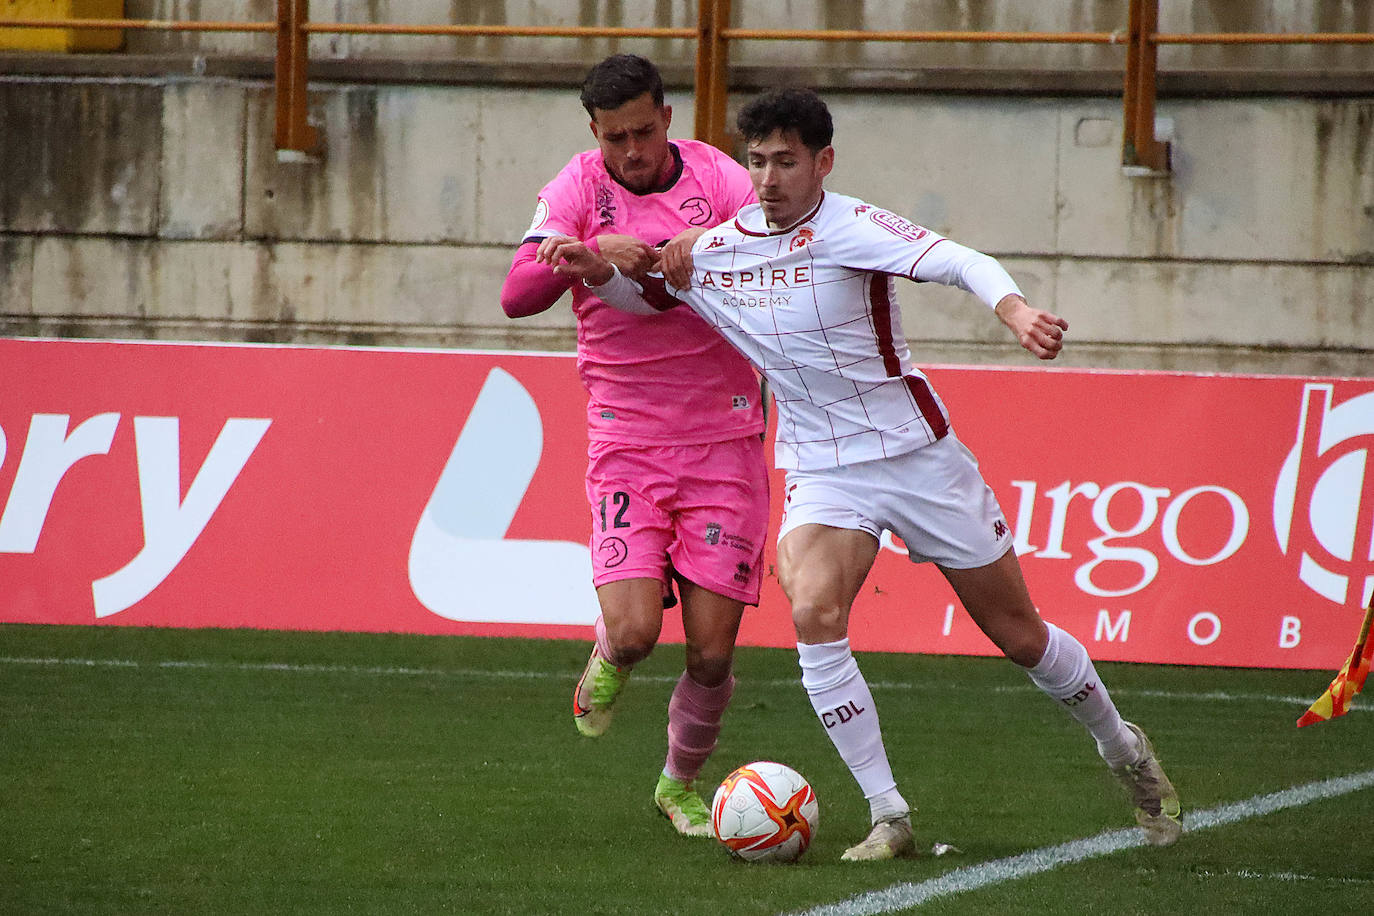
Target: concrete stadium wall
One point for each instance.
(154, 206)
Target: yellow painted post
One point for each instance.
(61, 40)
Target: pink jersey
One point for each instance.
(658, 380)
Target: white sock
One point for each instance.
(844, 704)
(887, 805)
(1066, 673)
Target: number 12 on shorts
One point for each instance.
(621, 501)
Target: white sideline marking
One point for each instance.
(403, 671)
(903, 896)
(287, 667)
(1288, 876)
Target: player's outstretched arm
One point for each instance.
(630, 256)
(573, 259)
(946, 261)
(530, 287)
(1038, 331)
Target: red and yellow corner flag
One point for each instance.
(1338, 697)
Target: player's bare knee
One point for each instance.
(818, 622)
(1025, 647)
(709, 669)
(632, 641)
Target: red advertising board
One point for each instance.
(1163, 517)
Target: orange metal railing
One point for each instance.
(1142, 153)
(1139, 147)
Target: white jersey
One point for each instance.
(812, 307)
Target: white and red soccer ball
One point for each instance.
(765, 812)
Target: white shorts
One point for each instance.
(933, 498)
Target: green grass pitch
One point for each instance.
(198, 771)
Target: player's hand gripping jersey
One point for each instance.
(678, 383)
(812, 307)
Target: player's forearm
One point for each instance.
(987, 280)
(953, 264)
(621, 293)
(531, 287)
(624, 294)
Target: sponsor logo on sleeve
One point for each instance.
(541, 216)
(897, 226)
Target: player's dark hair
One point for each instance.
(618, 79)
(788, 109)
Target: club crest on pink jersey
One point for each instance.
(697, 210)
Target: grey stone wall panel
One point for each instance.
(16, 275)
(79, 156)
(201, 188)
(980, 171)
(399, 165)
(286, 283)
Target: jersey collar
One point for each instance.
(739, 224)
(667, 183)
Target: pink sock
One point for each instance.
(603, 645)
(694, 715)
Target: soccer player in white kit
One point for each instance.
(802, 284)
(677, 481)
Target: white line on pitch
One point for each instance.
(1248, 874)
(404, 671)
(285, 667)
(985, 874)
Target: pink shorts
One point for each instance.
(701, 510)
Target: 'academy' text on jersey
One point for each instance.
(730, 300)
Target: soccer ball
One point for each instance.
(765, 812)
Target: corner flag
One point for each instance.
(1338, 697)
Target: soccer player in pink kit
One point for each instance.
(676, 478)
(802, 284)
